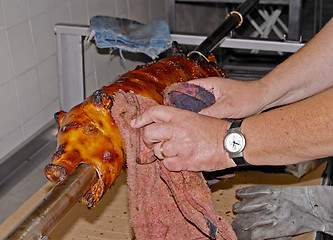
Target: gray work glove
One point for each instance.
(268, 212)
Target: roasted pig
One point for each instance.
(88, 133)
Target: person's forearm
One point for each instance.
(304, 74)
(291, 134)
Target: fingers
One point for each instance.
(153, 114)
(163, 152)
(241, 207)
(178, 130)
(157, 136)
(254, 191)
(254, 226)
(156, 128)
(242, 225)
(255, 198)
(158, 150)
(157, 133)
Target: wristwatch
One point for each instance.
(234, 143)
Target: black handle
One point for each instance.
(212, 41)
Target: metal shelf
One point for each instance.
(70, 41)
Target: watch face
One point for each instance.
(234, 142)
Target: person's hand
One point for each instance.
(183, 139)
(234, 98)
(268, 212)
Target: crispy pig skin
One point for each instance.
(88, 134)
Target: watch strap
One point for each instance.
(236, 124)
(240, 161)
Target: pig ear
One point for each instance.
(59, 116)
(101, 98)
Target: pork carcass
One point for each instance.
(88, 133)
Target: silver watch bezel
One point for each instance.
(239, 153)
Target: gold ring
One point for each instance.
(236, 15)
(161, 150)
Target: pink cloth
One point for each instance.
(163, 204)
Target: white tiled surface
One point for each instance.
(28, 94)
(14, 12)
(2, 26)
(50, 109)
(12, 139)
(109, 7)
(43, 36)
(21, 47)
(48, 80)
(29, 91)
(79, 11)
(136, 8)
(10, 116)
(5, 66)
(122, 8)
(157, 10)
(60, 14)
(33, 124)
(95, 7)
(56, 3)
(37, 7)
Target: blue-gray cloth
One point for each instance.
(124, 34)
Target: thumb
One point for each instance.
(215, 110)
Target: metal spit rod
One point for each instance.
(234, 19)
(55, 205)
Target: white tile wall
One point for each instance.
(37, 7)
(21, 47)
(5, 66)
(122, 8)
(95, 8)
(157, 9)
(10, 141)
(48, 80)
(14, 11)
(2, 26)
(29, 92)
(61, 13)
(56, 3)
(109, 7)
(33, 124)
(49, 110)
(43, 36)
(10, 116)
(136, 8)
(79, 11)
